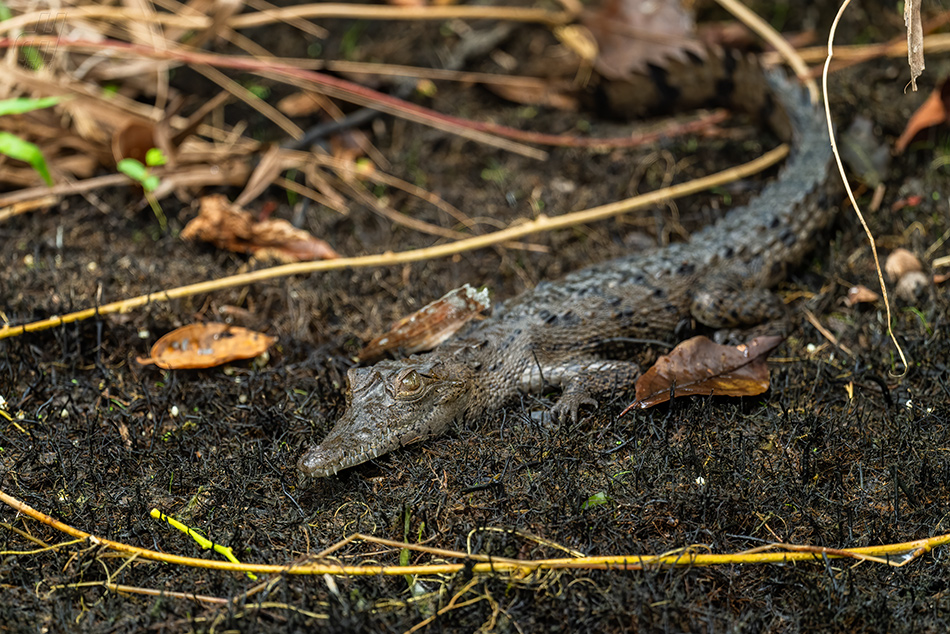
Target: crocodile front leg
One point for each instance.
(579, 380)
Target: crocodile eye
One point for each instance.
(410, 382)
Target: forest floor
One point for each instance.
(843, 451)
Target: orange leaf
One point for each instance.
(699, 366)
(205, 346)
(930, 113)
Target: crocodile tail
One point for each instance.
(717, 78)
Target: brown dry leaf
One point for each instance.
(231, 228)
(698, 366)
(431, 325)
(940, 278)
(205, 346)
(552, 93)
(301, 104)
(932, 112)
(861, 294)
(634, 34)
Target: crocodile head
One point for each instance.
(389, 405)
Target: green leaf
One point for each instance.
(155, 157)
(258, 90)
(21, 105)
(135, 170)
(32, 57)
(16, 148)
(595, 500)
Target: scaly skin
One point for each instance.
(559, 332)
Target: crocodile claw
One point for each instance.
(572, 400)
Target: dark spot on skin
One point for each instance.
(730, 62)
(628, 312)
(776, 221)
(788, 237)
(696, 59)
(726, 85)
(768, 108)
(728, 252)
(670, 308)
(544, 315)
(613, 302)
(638, 279)
(725, 89)
(642, 325)
(568, 318)
(659, 293)
(686, 268)
(668, 94)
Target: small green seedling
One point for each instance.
(16, 148)
(140, 173)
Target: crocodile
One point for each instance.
(569, 334)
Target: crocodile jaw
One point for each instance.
(390, 405)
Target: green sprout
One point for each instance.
(140, 173)
(16, 148)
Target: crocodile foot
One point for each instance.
(574, 397)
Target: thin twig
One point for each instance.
(530, 227)
(810, 316)
(482, 132)
(764, 30)
(847, 186)
(890, 554)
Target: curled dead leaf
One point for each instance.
(229, 227)
(699, 366)
(205, 346)
(861, 294)
(431, 325)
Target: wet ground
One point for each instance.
(841, 452)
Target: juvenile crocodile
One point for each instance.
(560, 333)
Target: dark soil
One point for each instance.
(841, 452)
